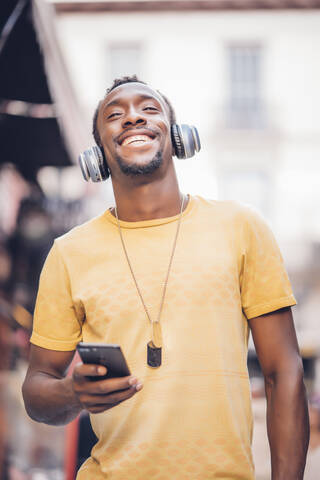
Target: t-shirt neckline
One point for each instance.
(149, 223)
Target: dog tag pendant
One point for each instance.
(154, 355)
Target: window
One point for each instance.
(245, 106)
(124, 59)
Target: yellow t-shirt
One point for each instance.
(192, 419)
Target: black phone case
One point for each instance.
(108, 355)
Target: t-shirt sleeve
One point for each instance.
(265, 285)
(57, 323)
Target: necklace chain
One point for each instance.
(156, 331)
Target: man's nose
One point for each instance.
(133, 117)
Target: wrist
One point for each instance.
(73, 399)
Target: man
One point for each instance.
(109, 281)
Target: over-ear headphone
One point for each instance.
(185, 141)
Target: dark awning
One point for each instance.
(21, 63)
(31, 143)
(30, 132)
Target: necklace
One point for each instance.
(154, 347)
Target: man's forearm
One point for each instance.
(50, 400)
(288, 425)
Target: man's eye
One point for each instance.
(113, 114)
(150, 108)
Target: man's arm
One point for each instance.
(51, 397)
(287, 412)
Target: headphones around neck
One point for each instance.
(185, 141)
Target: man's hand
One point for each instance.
(100, 395)
(53, 398)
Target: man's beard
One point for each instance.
(135, 169)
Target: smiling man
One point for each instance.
(179, 282)
(141, 141)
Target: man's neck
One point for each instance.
(148, 201)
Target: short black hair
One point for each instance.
(116, 83)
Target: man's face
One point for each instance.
(134, 127)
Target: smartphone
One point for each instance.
(108, 355)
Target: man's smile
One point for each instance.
(136, 137)
(136, 140)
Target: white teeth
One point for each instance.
(136, 138)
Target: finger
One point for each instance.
(109, 385)
(83, 370)
(107, 400)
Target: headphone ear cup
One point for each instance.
(186, 140)
(93, 164)
(177, 142)
(105, 172)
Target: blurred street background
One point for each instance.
(245, 72)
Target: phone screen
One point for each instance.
(108, 355)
